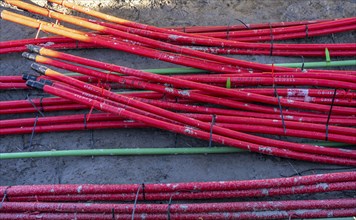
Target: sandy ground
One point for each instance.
(153, 169)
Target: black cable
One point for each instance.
(327, 122)
(85, 121)
(113, 214)
(143, 192)
(272, 39)
(302, 63)
(280, 108)
(243, 23)
(211, 129)
(33, 132)
(169, 208)
(33, 104)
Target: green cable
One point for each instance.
(166, 71)
(137, 151)
(121, 152)
(175, 70)
(319, 64)
(163, 71)
(328, 144)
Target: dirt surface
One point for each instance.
(155, 169)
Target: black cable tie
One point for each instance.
(135, 203)
(306, 31)
(302, 63)
(169, 207)
(211, 129)
(327, 122)
(184, 29)
(85, 121)
(33, 131)
(228, 32)
(280, 107)
(243, 23)
(272, 39)
(4, 197)
(113, 214)
(143, 192)
(333, 38)
(76, 44)
(34, 106)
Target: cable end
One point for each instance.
(35, 84)
(39, 68)
(26, 76)
(29, 56)
(33, 48)
(46, 82)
